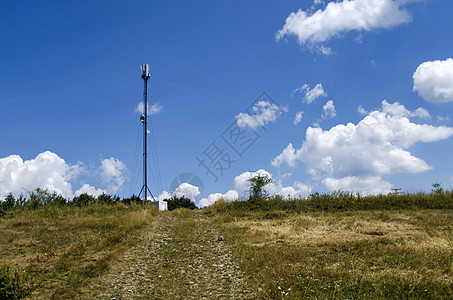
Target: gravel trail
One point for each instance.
(181, 257)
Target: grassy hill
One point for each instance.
(333, 251)
(337, 246)
(54, 251)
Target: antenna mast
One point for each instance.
(144, 118)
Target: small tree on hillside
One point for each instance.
(257, 186)
(437, 189)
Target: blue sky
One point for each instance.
(70, 85)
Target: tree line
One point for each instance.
(43, 197)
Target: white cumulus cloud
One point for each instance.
(287, 157)
(112, 174)
(241, 182)
(183, 190)
(90, 190)
(310, 95)
(340, 17)
(396, 109)
(49, 171)
(264, 112)
(433, 80)
(366, 185)
(187, 190)
(329, 110)
(46, 171)
(229, 196)
(374, 147)
(297, 190)
(164, 195)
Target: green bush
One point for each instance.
(83, 200)
(107, 199)
(180, 202)
(41, 197)
(132, 200)
(21, 201)
(9, 285)
(7, 204)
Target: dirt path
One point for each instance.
(180, 258)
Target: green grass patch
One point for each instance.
(57, 249)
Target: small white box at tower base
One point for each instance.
(161, 205)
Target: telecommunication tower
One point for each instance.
(144, 119)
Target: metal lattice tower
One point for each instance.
(144, 118)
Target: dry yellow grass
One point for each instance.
(318, 230)
(361, 254)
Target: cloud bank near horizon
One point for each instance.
(355, 157)
(49, 171)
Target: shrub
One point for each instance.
(132, 200)
(220, 204)
(21, 200)
(9, 285)
(107, 199)
(83, 200)
(180, 202)
(7, 204)
(41, 197)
